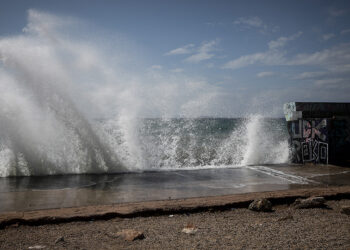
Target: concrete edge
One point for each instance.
(152, 208)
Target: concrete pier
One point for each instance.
(319, 132)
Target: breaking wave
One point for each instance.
(69, 106)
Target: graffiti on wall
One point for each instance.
(314, 151)
(309, 140)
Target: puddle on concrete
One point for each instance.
(30, 193)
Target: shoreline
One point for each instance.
(165, 207)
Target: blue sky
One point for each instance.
(260, 53)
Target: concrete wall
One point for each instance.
(319, 132)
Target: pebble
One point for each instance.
(37, 247)
(189, 229)
(59, 239)
(311, 202)
(130, 234)
(345, 210)
(261, 205)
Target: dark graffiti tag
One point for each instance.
(309, 140)
(315, 129)
(314, 151)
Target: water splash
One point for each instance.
(263, 142)
(69, 106)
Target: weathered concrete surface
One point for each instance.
(297, 110)
(166, 206)
(37, 193)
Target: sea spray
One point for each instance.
(69, 106)
(66, 107)
(263, 142)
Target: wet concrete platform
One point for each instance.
(34, 193)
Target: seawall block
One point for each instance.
(319, 132)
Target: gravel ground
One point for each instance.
(285, 228)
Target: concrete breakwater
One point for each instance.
(319, 132)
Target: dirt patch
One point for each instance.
(236, 228)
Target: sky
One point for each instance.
(258, 54)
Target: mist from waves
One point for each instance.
(185, 143)
(67, 106)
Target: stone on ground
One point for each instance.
(59, 239)
(37, 247)
(311, 202)
(131, 234)
(345, 210)
(287, 217)
(189, 229)
(261, 205)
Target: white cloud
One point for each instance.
(324, 82)
(254, 22)
(187, 49)
(309, 75)
(337, 12)
(214, 24)
(203, 52)
(328, 36)
(200, 53)
(250, 21)
(265, 74)
(331, 58)
(344, 32)
(177, 70)
(281, 42)
(273, 56)
(244, 61)
(267, 58)
(340, 68)
(334, 14)
(335, 63)
(156, 67)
